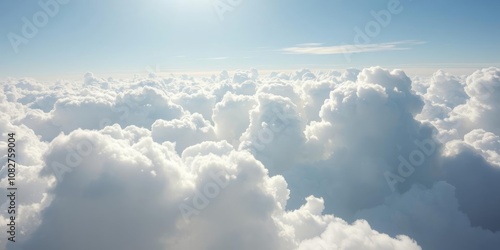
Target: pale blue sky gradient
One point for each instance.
(188, 35)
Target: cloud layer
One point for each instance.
(354, 159)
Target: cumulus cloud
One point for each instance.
(353, 159)
(366, 145)
(199, 102)
(479, 110)
(184, 132)
(231, 116)
(486, 143)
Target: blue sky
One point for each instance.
(189, 35)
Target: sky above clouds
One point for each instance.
(251, 124)
(174, 35)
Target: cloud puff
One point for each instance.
(274, 134)
(366, 134)
(342, 236)
(184, 132)
(446, 89)
(199, 102)
(231, 116)
(486, 143)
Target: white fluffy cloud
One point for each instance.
(231, 116)
(184, 132)
(354, 159)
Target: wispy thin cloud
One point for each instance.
(317, 49)
(309, 44)
(214, 58)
